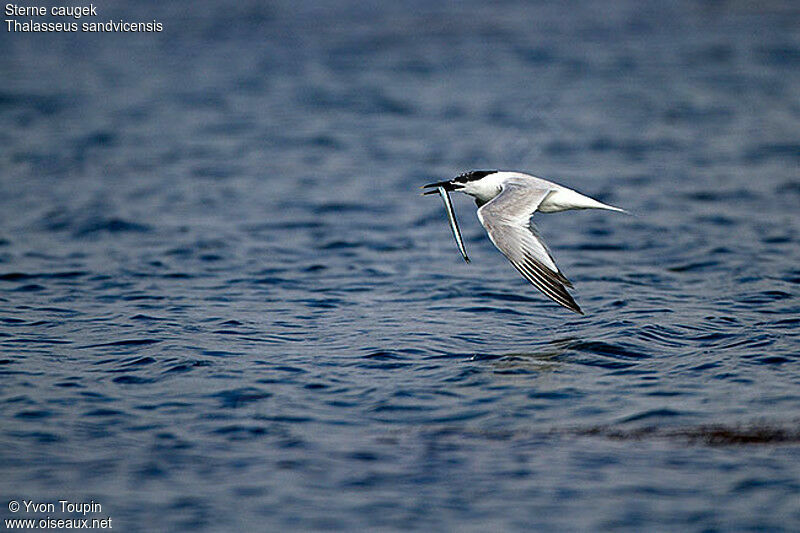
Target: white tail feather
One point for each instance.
(565, 199)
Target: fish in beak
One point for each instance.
(442, 187)
(447, 185)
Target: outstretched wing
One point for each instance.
(507, 221)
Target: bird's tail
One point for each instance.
(564, 199)
(590, 203)
(601, 205)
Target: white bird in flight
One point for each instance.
(506, 202)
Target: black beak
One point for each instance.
(446, 185)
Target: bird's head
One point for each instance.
(458, 182)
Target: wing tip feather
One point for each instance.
(548, 286)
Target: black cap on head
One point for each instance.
(458, 181)
(473, 175)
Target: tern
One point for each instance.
(506, 202)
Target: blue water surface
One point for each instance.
(225, 307)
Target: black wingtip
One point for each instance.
(547, 282)
(571, 304)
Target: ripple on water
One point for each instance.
(239, 397)
(123, 343)
(616, 350)
(755, 434)
(130, 379)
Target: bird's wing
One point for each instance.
(507, 220)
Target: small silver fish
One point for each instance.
(451, 216)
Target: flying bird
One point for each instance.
(506, 202)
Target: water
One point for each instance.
(224, 305)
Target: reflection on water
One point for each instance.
(545, 358)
